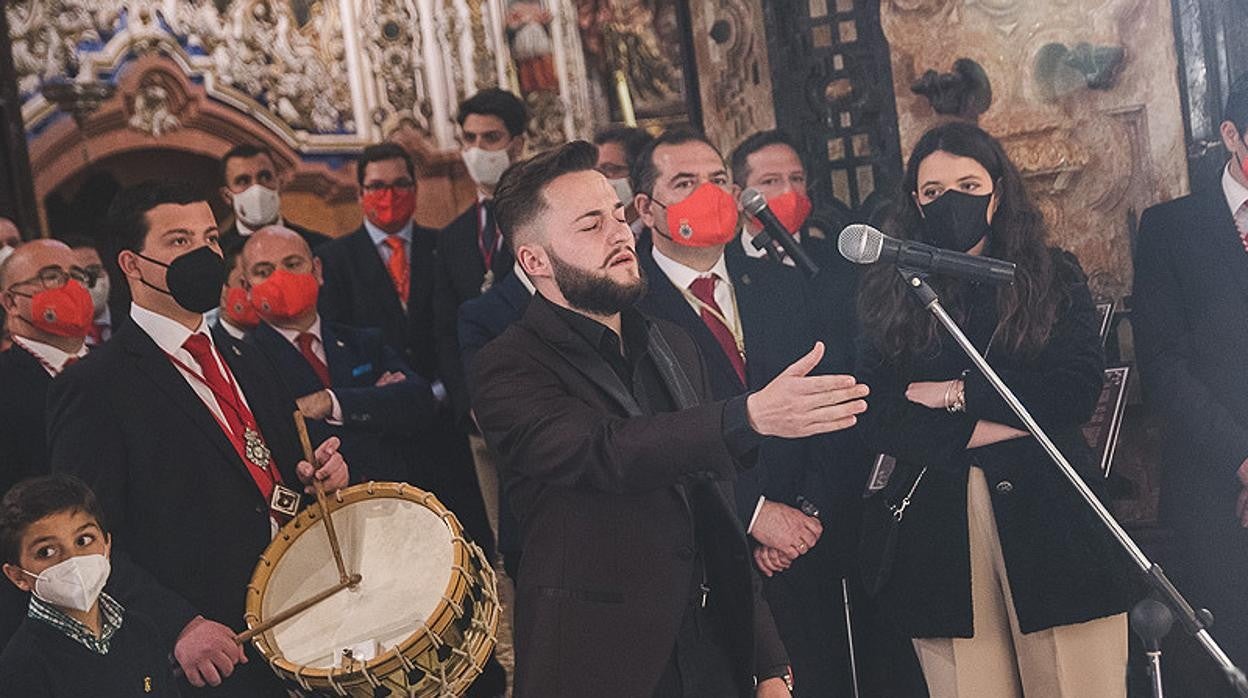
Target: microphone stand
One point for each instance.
(1195, 623)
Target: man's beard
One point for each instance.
(598, 294)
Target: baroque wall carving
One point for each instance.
(731, 54)
(1093, 158)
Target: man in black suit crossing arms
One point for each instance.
(188, 444)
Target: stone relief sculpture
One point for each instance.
(152, 112)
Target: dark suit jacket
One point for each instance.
(23, 449)
(458, 277)
(177, 498)
(376, 432)
(358, 292)
(23, 389)
(778, 328)
(609, 500)
(480, 321)
(487, 316)
(1190, 308)
(230, 237)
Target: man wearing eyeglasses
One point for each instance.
(45, 297)
(382, 275)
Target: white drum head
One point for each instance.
(404, 553)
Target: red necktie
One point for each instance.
(397, 265)
(703, 288)
(237, 416)
(306, 340)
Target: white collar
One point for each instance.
(524, 278)
(291, 335)
(52, 358)
(246, 231)
(168, 334)
(379, 236)
(682, 276)
(230, 328)
(1236, 193)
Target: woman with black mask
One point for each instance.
(976, 546)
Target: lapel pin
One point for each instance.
(745, 279)
(339, 343)
(236, 351)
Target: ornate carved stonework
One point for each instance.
(390, 34)
(1093, 158)
(731, 56)
(156, 104)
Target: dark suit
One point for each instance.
(178, 500)
(613, 502)
(358, 291)
(376, 432)
(458, 277)
(1191, 324)
(231, 239)
(826, 470)
(480, 321)
(23, 449)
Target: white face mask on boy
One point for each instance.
(74, 583)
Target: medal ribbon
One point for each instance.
(266, 478)
(487, 252)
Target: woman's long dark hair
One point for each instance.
(1026, 310)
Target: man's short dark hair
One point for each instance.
(753, 144)
(519, 198)
(245, 150)
(40, 497)
(379, 152)
(644, 172)
(127, 215)
(493, 101)
(633, 140)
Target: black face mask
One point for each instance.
(194, 279)
(956, 220)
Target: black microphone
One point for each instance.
(862, 244)
(753, 201)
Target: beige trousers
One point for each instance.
(1085, 660)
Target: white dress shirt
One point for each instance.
(682, 277)
(51, 358)
(1236, 193)
(379, 236)
(318, 348)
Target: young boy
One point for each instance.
(76, 640)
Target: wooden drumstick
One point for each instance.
(295, 610)
(310, 456)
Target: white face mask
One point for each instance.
(257, 206)
(74, 583)
(99, 294)
(486, 166)
(623, 190)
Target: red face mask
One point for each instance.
(390, 208)
(792, 208)
(706, 218)
(65, 312)
(239, 310)
(284, 295)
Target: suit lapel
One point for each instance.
(336, 355)
(552, 330)
(752, 313)
(286, 356)
(375, 277)
(152, 363)
(1219, 225)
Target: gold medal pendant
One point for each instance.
(255, 449)
(284, 500)
(487, 282)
